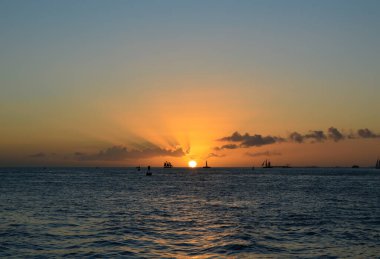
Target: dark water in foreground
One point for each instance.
(197, 213)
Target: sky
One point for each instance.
(126, 83)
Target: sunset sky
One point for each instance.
(123, 83)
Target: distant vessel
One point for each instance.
(355, 166)
(148, 173)
(378, 164)
(206, 166)
(266, 164)
(168, 165)
(138, 168)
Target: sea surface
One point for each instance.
(181, 212)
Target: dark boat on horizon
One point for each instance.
(266, 164)
(168, 165)
(148, 173)
(206, 166)
(377, 164)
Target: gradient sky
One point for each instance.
(121, 83)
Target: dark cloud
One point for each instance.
(235, 137)
(265, 153)
(259, 140)
(38, 155)
(296, 137)
(247, 140)
(117, 153)
(334, 134)
(317, 135)
(366, 133)
(227, 146)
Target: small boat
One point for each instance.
(148, 173)
(206, 166)
(168, 165)
(355, 166)
(377, 164)
(266, 164)
(138, 168)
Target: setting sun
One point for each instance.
(192, 163)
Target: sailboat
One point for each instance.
(266, 164)
(168, 165)
(206, 166)
(378, 164)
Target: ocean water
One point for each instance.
(214, 213)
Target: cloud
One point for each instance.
(247, 140)
(366, 133)
(227, 146)
(317, 135)
(259, 140)
(38, 155)
(235, 137)
(215, 155)
(296, 137)
(44, 155)
(265, 153)
(117, 153)
(335, 134)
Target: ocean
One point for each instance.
(182, 212)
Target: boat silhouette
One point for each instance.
(377, 164)
(206, 166)
(148, 173)
(168, 165)
(266, 164)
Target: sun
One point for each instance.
(192, 163)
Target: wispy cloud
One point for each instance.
(227, 146)
(38, 155)
(265, 153)
(118, 153)
(42, 155)
(215, 155)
